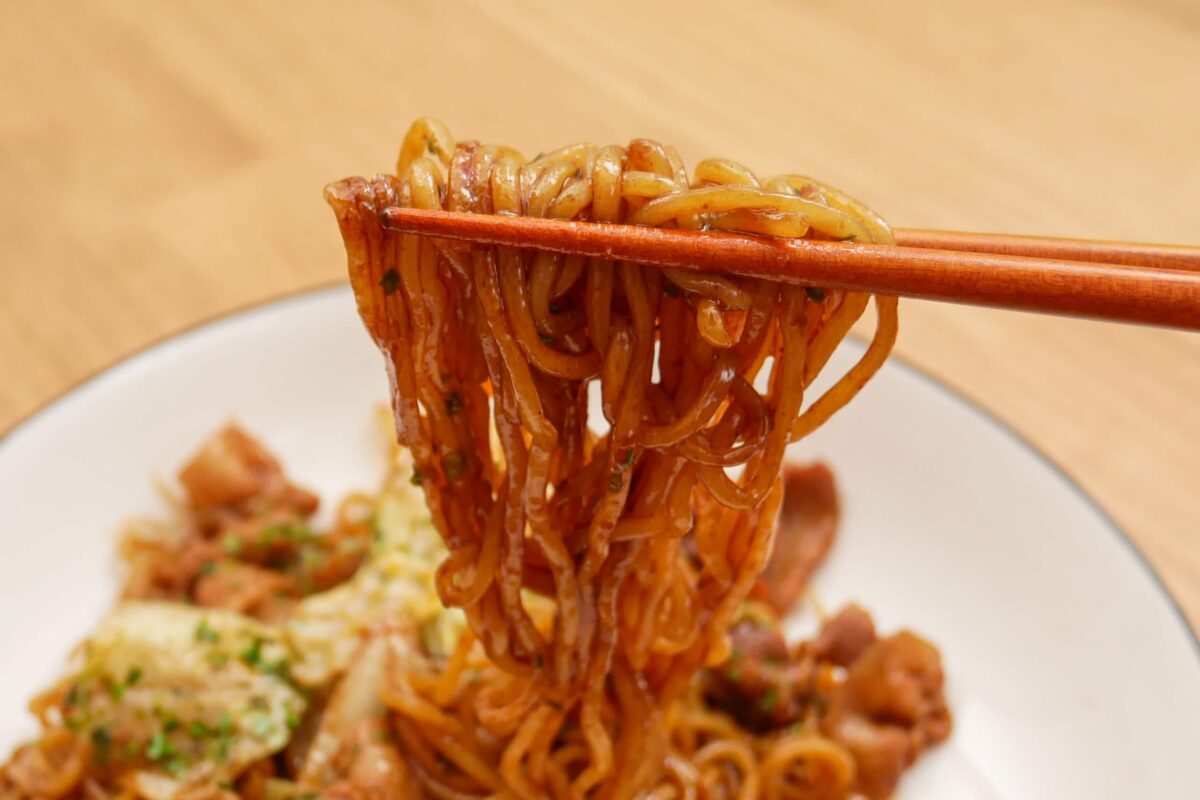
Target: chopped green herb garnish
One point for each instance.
(769, 700)
(223, 738)
(627, 461)
(734, 674)
(115, 690)
(390, 282)
(454, 464)
(198, 729)
(208, 568)
(280, 668)
(206, 632)
(252, 655)
(221, 751)
(133, 676)
(159, 747)
(176, 765)
(101, 743)
(288, 531)
(232, 544)
(218, 659)
(292, 719)
(416, 478)
(261, 725)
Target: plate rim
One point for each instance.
(338, 285)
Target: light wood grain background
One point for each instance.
(162, 162)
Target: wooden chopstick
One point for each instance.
(1134, 254)
(1142, 294)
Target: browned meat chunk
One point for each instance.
(232, 468)
(762, 685)
(808, 522)
(246, 589)
(890, 708)
(845, 636)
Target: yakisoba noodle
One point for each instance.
(642, 538)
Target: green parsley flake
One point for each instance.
(290, 531)
(176, 765)
(252, 655)
(159, 748)
(261, 725)
(206, 633)
(454, 464)
(390, 282)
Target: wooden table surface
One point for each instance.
(162, 163)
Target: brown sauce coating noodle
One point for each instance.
(641, 539)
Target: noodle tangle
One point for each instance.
(599, 561)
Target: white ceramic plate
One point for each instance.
(1071, 673)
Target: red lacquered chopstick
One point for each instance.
(1133, 254)
(1147, 294)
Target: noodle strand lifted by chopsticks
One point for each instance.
(643, 542)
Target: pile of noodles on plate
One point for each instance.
(590, 605)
